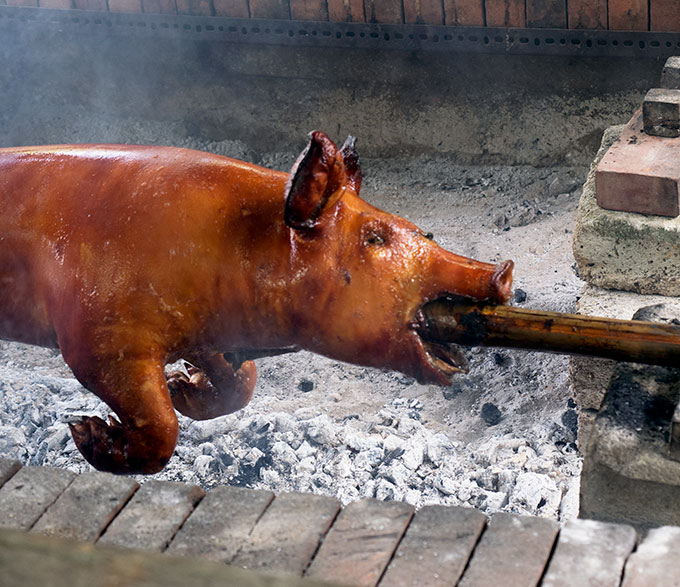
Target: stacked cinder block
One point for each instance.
(627, 236)
(627, 248)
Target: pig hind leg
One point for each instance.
(214, 386)
(145, 437)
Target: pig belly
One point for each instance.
(23, 311)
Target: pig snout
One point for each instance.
(452, 274)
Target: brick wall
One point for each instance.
(631, 15)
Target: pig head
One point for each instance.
(128, 258)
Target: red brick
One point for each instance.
(58, 4)
(386, 11)
(125, 5)
(346, 10)
(232, 8)
(640, 173)
(361, 543)
(664, 15)
(424, 12)
(464, 12)
(308, 10)
(270, 9)
(90, 4)
(547, 14)
(159, 6)
(628, 15)
(505, 13)
(194, 7)
(587, 14)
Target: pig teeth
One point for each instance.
(447, 358)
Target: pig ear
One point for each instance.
(350, 158)
(315, 177)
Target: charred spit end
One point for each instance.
(460, 321)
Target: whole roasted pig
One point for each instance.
(127, 258)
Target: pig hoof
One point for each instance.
(200, 397)
(107, 448)
(102, 444)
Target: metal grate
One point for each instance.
(404, 37)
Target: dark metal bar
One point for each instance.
(404, 37)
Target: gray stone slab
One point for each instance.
(28, 560)
(288, 534)
(670, 75)
(436, 547)
(87, 506)
(221, 524)
(25, 497)
(598, 551)
(655, 562)
(8, 467)
(628, 474)
(514, 550)
(153, 515)
(362, 542)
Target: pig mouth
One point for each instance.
(445, 358)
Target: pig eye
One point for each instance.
(376, 234)
(429, 236)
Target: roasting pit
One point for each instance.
(476, 151)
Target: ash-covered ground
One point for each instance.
(500, 438)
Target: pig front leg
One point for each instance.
(214, 387)
(145, 437)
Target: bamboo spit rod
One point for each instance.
(470, 324)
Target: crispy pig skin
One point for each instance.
(128, 257)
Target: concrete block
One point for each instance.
(661, 113)
(308, 10)
(628, 475)
(587, 14)
(550, 14)
(590, 376)
(384, 11)
(628, 15)
(26, 496)
(622, 250)
(22, 2)
(670, 74)
(505, 13)
(664, 15)
(361, 543)
(289, 533)
(507, 540)
(436, 547)
(655, 562)
(153, 516)
(87, 506)
(221, 524)
(424, 12)
(640, 173)
(160, 6)
(231, 8)
(346, 10)
(8, 468)
(464, 12)
(595, 550)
